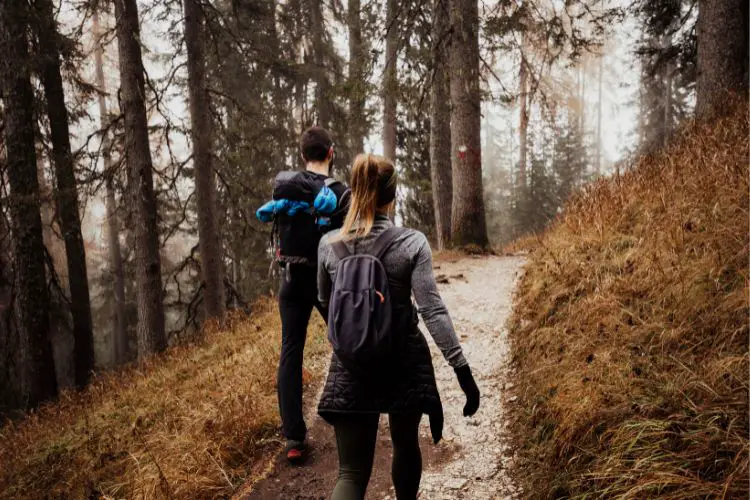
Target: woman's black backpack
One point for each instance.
(360, 314)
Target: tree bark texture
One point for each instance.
(523, 128)
(582, 117)
(212, 264)
(599, 118)
(440, 125)
(66, 194)
(468, 224)
(668, 106)
(722, 54)
(300, 120)
(119, 326)
(151, 334)
(390, 79)
(322, 85)
(357, 79)
(32, 297)
(10, 386)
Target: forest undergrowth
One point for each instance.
(193, 423)
(630, 332)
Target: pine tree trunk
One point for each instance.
(119, 326)
(212, 265)
(390, 81)
(511, 164)
(668, 118)
(582, 97)
(299, 85)
(523, 128)
(722, 54)
(66, 194)
(32, 297)
(236, 242)
(357, 79)
(440, 125)
(10, 386)
(599, 119)
(299, 93)
(322, 90)
(151, 334)
(468, 224)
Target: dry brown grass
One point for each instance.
(523, 245)
(194, 423)
(630, 334)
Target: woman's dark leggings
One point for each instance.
(356, 435)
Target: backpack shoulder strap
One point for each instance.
(345, 198)
(330, 181)
(340, 249)
(384, 242)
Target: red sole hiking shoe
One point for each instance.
(296, 451)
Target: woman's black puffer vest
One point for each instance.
(407, 385)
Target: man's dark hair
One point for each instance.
(315, 144)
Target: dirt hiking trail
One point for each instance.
(471, 461)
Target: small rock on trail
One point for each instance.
(472, 460)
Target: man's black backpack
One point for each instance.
(360, 316)
(296, 237)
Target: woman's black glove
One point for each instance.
(469, 386)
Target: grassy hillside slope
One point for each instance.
(630, 335)
(194, 423)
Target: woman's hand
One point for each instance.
(469, 386)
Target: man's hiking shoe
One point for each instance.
(296, 451)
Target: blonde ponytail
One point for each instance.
(371, 176)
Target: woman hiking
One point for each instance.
(367, 273)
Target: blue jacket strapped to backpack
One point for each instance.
(325, 204)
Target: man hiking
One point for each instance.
(306, 205)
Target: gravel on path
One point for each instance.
(479, 298)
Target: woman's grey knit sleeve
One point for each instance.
(431, 306)
(324, 278)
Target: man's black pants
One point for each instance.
(298, 296)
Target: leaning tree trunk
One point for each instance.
(31, 296)
(390, 81)
(212, 265)
(151, 335)
(440, 125)
(66, 194)
(119, 328)
(722, 54)
(357, 79)
(468, 224)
